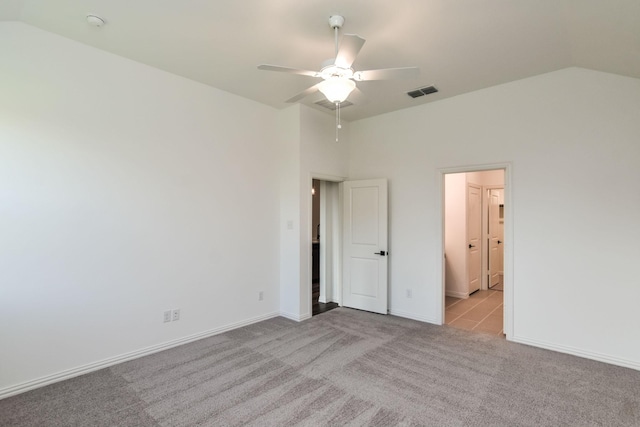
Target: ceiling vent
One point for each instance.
(331, 106)
(422, 91)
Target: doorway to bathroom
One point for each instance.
(474, 250)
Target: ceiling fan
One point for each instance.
(338, 78)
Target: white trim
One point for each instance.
(475, 168)
(325, 177)
(455, 294)
(105, 363)
(296, 317)
(337, 267)
(439, 250)
(414, 316)
(508, 280)
(600, 357)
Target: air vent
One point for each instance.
(422, 91)
(331, 106)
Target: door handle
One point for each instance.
(381, 253)
(471, 246)
(499, 241)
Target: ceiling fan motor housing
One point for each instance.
(329, 69)
(339, 78)
(336, 21)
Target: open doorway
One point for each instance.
(473, 250)
(324, 241)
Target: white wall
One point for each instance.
(455, 235)
(321, 157)
(311, 152)
(125, 191)
(486, 178)
(289, 262)
(571, 138)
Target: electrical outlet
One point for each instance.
(260, 296)
(175, 314)
(167, 316)
(409, 293)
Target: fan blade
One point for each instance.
(387, 74)
(304, 93)
(350, 45)
(288, 70)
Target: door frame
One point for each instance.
(509, 285)
(305, 285)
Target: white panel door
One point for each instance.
(474, 236)
(365, 245)
(495, 236)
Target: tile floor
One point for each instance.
(481, 312)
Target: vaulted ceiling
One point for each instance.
(459, 45)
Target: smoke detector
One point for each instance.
(95, 20)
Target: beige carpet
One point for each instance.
(344, 367)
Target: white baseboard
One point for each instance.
(105, 363)
(295, 317)
(455, 294)
(414, 316)
(600, 357)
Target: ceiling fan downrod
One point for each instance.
(338, 124)
(336, 22)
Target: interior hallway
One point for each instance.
(481, 312)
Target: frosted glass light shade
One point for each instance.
(336, 89)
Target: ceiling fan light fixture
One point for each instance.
(337, 89)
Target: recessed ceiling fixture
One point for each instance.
(95, 20)
(338, 78)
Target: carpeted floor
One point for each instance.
(343, 367)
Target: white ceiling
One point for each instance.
(459, 45)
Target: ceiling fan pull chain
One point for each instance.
(337, 119)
